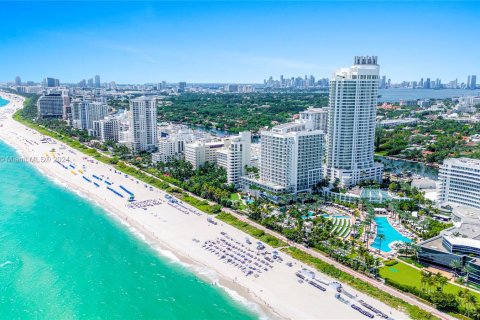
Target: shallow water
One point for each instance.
(62, 257)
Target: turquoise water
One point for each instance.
(63, 258)
(391, 234)
(3, 102)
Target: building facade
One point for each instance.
(318, 116)
(458, 245)
(460, 182)
(291, 157)
(143, 125)
(50, 106)
(235, 155)
(351, 123)
(109, 129)
(169, 149)
(198, 153)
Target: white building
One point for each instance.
(85, 114)
(235, 155)
(291, 158)
(143, 125)
(109, 129)
(50, 106)
(198, 153)
(351, 123)
(318, 116)
(96, 111)
(460, 182)
(169, 149)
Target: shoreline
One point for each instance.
(276, 293)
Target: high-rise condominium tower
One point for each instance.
(351, 123)
(143, 124)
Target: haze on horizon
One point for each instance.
(245, 42)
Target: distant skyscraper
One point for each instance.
(143, 124)
(420, 84)
(383, 82)
(18, 81)
(51, 82)
(473, 82)
(97, 81)
(182, 86)
(90, 83)
(351, 123)
(427, 84)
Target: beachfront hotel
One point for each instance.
(86, 114)
(50, 106)
(291, 158)
(235, 155)
(351, 123)
(460, 182)
(200, 152)
(143, 124)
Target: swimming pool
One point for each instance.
(391, 235)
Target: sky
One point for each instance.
(236, 42)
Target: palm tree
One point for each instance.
(456, 265)
(440, 281)
(425, 280)
(381, 237)
(471, 301)
(468, 269)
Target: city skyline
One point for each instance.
(231, 42)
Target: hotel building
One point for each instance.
(199, 152)
(290, 159)
(50, 106)
(460, 182)
(143, 124)
(351, 123)
(235, 155)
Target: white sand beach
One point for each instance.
(181, 232)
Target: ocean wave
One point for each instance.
(171, 256)
(250, 305)
(6, 263)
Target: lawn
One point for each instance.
(406, 275)
(235, 197)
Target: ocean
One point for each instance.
(62, 257)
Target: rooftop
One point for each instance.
(463, 161)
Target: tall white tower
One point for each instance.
(143, 124)
(351, 123)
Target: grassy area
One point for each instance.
(235, 197)
(411, 261)
(406, 275)
(254, 232)
(413, 312)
